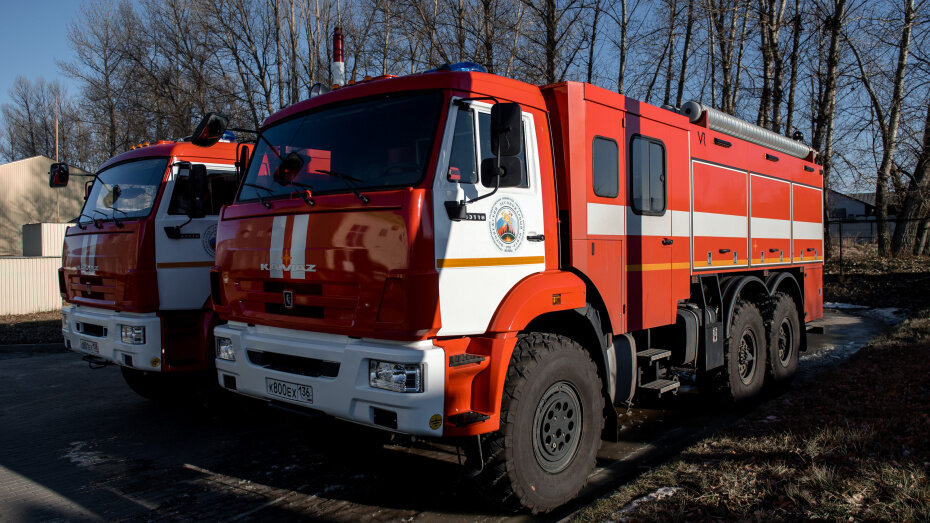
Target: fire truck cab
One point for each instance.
(464, 255)
(135, 266)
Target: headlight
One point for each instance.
(399, 377)
(224, 349)
(132, 334)
(64, 321)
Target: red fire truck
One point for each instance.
(464, 255)
(135, 265)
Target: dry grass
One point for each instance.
(41, 327)
(852, 445)
(867, 279)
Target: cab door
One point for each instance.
(501, 241)
(184, 247)
(649, 225)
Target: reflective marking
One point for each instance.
(84, 253)
(770, 228)
(681, 223)
(299, 246)
(808, 231)
(92, 257)
(606, 219)
(657, 267)
(720, 225)
(488, 262)
(275, 253)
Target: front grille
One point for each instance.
(98, 331)
(312, 367)
(300, 311)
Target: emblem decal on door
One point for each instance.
(505, 222)
(208, 240)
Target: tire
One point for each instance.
(745, 354)
(191, 388)
(551, 423)
(783, 331)
(149, 385)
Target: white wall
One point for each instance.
(29, 285)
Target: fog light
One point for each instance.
(399, 377)
(64, 321)
(132, 334)
(224, 349)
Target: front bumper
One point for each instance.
(344, 393)
(96, 332)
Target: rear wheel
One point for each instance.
(551, 422)
(784, 338)
(745, 354)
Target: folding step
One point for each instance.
(652, 355)
(464, 359)
(467, 418)
(660, 386)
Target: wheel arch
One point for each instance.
(735, 288)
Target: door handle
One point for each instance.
(535, 237)
(668, 241)
(723, 251)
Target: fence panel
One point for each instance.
(29, 284)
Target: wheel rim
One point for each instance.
(747, 356)
(557, 427)
(785, 342)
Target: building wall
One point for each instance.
(25, 197)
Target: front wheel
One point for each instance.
(551, 422)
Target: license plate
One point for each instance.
(289, 391)
(90, 346)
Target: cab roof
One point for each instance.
(222, 152)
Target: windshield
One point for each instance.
(372, 144)
(127, 190)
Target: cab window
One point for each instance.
(647, 175)
(221, 189)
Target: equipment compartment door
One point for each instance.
(481, 258)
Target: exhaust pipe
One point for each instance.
(339, 63)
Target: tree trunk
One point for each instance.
(683, 71)
(914, 206)
(793, 79)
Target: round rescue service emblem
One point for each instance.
(506, 225)
(208, 240)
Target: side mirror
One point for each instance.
(58, 175)
(244, 152)
(210, 130)
(88, 185)
(506, 129)
(290, 166)
(197, 191)
(510, 172)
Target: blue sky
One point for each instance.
(33, 35)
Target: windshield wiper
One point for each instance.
(305, 195)
(351, 182)
(266, 204)
(92, 219)
(99, 225)
(116, 221)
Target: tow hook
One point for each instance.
(95, 362)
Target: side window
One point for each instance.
(484, 130)
(221, 189)
(647, 175)
(605, 167)
(462, 165)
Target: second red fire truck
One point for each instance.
(463, 255)
(135, 265)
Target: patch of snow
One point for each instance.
(837, 305)
(83, 458)
(663, 492)
(889, 315)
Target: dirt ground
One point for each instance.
(40, 327)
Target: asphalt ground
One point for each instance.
(78, 444)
